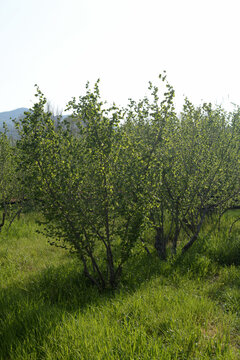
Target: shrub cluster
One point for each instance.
(104, 175)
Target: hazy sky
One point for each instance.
(60, 44)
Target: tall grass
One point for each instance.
(186, 308)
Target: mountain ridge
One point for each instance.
(12, 114)
(7, 117)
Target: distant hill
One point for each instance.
(8, 116)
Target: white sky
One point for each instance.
(60, 44)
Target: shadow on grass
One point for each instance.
(31, 310)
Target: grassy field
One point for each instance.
(186, 308)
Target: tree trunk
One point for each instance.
(195, 235)
(160, 243)
(3, 219)
(175, 239)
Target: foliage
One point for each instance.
(10, 193)
(81, 181)
(109, 184)
(204, 175)
(192, 162)
(105, 175)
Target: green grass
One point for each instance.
(187, 308)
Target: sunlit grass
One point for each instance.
(186, 308)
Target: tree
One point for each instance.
(199, 171)
(9, 191)
(82, 182)
(192, 162)
(152, 124)
(103, 175)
